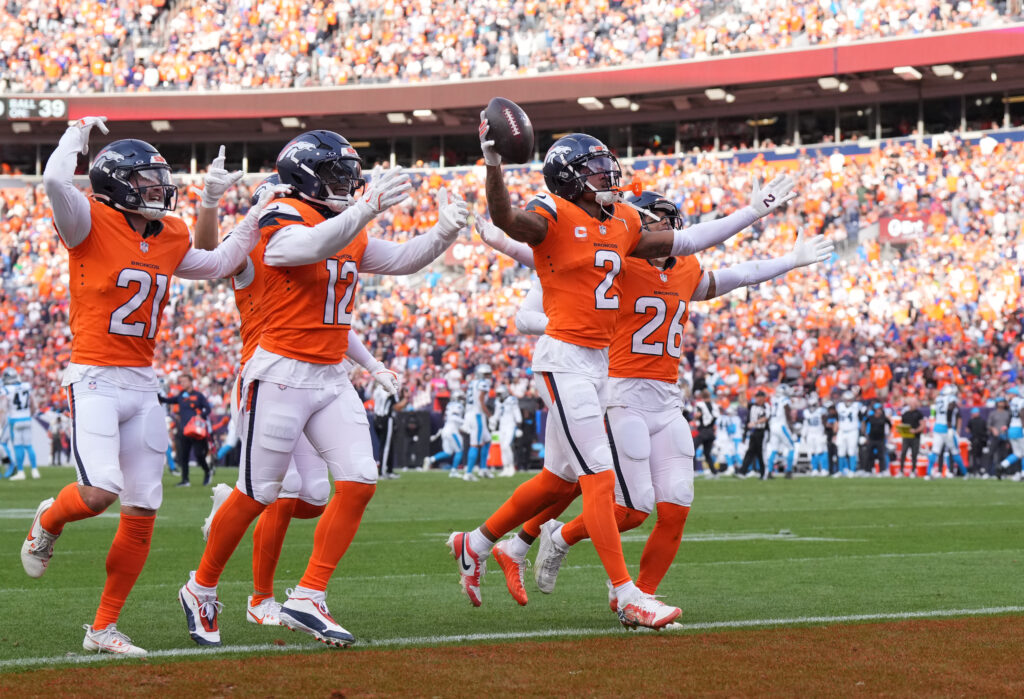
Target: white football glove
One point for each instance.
(452, 214)
(217, 181)
(491, 156)
(809, 251)
(269, 195)
(776, 193)
(386, 379)
(489, 233)
(386, 188)
(78, 131)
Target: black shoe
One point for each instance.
(206, 478)
(183, 484)
(789, 474)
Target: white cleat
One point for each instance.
(35, 474)
(221, 492)
(37, 549)
(507, 472)
(110, 640)
(428, 462)
(454, 473)
(487, 472)
(310, 614)
(266, 613)
(19, 476)
(646, 611)
(549, 558)
(470, 477)
(201, 610)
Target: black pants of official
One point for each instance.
(914, 447)
(833, 456)
(384, 426)
(876, 453)
(186, 447)
(754, 452)
(706, 441)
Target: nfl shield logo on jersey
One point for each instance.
(144, 246)
(664, 277)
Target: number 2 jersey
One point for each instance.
(580, 264)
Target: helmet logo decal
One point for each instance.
(158, 159)
(558, 152)
(294, 148)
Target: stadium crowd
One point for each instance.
(144, 45)
(889, 324)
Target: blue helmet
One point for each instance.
(271, 181)
(323, 168)
(131, 175)
(574, 158)
(657, 205)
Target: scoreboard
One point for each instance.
(32, 108)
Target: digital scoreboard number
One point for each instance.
(18, 108)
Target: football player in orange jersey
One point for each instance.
(123, 246)
(580, 234)
(305, 487)
(651, 443)
(314, 247)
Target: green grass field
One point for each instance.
(753, 552)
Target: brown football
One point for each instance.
(510, 129)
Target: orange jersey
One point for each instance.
(307, 309)
(655, 307)
(249, 301)
(119, 285)
(580, 264)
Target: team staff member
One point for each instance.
(193, 413)
(757, 423)
(913, 418)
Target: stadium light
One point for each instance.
(730, 98)
(993, 76)
(424, 114)
(828, 83)
(396, 118)
(958, 75)
(590, 103)
(21, 127)
(634, 107)
(907, 72)
(620, 102)
(160, 125)
(943, 70)
(714, 93)
(843, 87)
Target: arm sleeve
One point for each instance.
(722, 281)
(358, 353)
(70, 207)
(702, 236)
(225, 258)
(530, 320)
(302, 245)
(520, 252)
(246, 276)
(386, 257)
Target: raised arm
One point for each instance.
(302, 245)
(216, 182)
(524, 226)
(722, 281)
(228, 257)
(70, 207)
(702, 236)
(386, 257)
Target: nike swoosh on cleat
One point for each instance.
(466, 567)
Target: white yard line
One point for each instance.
(512, 636)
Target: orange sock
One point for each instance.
(68, 507)
(305, 510)
(626, 518)
(662, 546)
(528, 500)
(532, 527)
(599, 517)
(227, 529)
(267, 539)
(335, 531)
(127, 555)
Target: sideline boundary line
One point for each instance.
(76, 659)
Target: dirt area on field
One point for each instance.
(935, 658)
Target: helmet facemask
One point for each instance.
(664, 212)
(340, 182)
(154, 194)
(602, 175)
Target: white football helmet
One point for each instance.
(11, 376)
(847, 396)
(949, 389)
